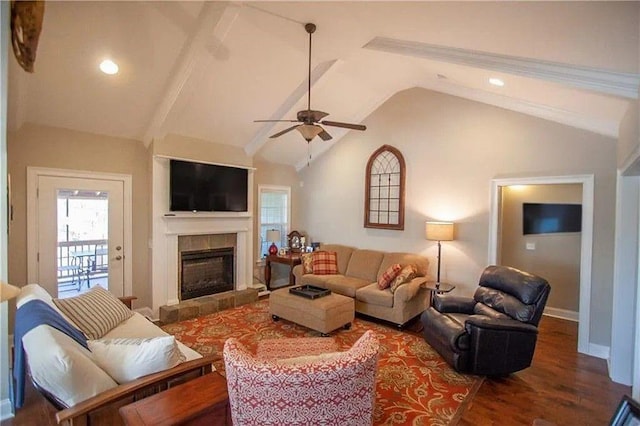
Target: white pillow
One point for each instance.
(127, 359)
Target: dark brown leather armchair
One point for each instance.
(495, 332)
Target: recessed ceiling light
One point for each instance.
(109, 67)
(496, 81)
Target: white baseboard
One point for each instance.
(561, 313)
(599, 351)
(6, 409)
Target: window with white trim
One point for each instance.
(274, 205)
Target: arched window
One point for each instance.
(384, 189)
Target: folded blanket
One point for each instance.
(29, 316)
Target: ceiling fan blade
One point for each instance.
(324, 135)
(275, 121)
(345, 125)
(275, 135)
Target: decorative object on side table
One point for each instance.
(295, 241)
(273, 235)
(439, 231)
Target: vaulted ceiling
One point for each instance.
(208, 69)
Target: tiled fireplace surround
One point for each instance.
(173, 233)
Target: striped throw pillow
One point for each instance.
(325, 263)
(95, 312)
(388, 275)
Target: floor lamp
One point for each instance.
(439, 231)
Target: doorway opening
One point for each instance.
(587, 182)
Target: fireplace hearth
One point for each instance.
(206, 272)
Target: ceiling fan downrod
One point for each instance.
(310, 28)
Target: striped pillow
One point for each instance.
(325, 263)
(95, 312)
(388, 275)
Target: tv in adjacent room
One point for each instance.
(199, 187)
(538, 218)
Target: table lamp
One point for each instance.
(439, 231)
(8, 291)
(273, 235)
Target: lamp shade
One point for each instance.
(309, 131)
(439, 231)
(8, 291)
(273, 235)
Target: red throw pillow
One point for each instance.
(388, 275)
(325, 263)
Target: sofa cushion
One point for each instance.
(127, 359)
(346, 286)
(364, 264)
(407, 273)
(389, 275)
(325, 263)
(62, 367)
(316, 280)
(371, 294)
(404, 259)
(139, 326)
(307, 263)
(343, 252)
(95, 312)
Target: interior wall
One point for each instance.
(556, 257)
(42, 146)
(453, 149)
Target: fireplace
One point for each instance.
(205, 272)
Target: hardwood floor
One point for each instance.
(562, 387)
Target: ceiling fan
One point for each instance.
(310, 119)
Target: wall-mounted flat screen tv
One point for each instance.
(551, 218)
(199, 187)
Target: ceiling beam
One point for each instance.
(294, 97)
(214, 20)
(598, 80)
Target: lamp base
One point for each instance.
(273, 249)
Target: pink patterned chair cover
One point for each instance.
(338, 390)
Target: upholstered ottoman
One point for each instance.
(323, 314)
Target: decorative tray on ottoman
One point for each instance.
(309, 291)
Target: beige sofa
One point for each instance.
(359, 270)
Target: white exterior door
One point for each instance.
(80, 234)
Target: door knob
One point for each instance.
(118, 248)
(118, 257)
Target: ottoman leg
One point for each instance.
(347, 326)
(275, 317)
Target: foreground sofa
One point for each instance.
(358, 272)
(68, 376)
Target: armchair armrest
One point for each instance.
(136, 389)
(499, 324)
(454, 304)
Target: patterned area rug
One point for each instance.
(415, 386)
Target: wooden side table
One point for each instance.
(201, 401)
(437, 288)
(291, 259)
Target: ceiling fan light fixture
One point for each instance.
(309, 131)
